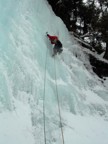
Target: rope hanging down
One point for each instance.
(58, 104)
(44, 98)
(57, 100)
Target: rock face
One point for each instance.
(99, 67)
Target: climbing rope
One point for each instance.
(57, 100)
(58, 104)
(44, 98)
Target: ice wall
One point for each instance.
(23, 50)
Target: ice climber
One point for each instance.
(57, 44)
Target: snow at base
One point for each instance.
(24, 52)
(16, 126)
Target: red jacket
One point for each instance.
(52, 38)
